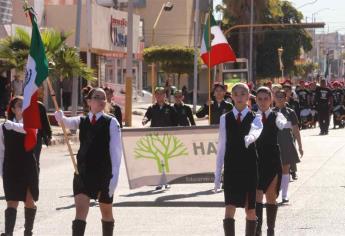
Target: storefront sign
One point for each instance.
(118, 32)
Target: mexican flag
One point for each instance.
(215, 49)
(36, 73)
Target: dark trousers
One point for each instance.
(324, 119)
(66, 100)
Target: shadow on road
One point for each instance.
(92, 204)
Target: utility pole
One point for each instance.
(77, 45)
(250, 74)
(129, 65)
(196, 53)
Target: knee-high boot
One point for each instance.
(259, 209)
(78, 227)
(250, 227)
(30, 214)
(10, 221)
(229, 227)
(271, 211)
(107, 228)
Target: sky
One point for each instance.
(329, 11)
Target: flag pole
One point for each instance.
(53, 96)
(209, 67)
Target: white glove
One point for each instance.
(18, 127)
(59, 116)
(112, 186)
(249, 139)
(288, 125)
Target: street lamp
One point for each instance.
(281, 65)
(168, 6)
(317, 12)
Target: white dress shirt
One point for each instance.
(115, 144)
(253, 135)
(281, 121)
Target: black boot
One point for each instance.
(229, 227)
(250, 227)
(258, 209)
(10, 221)
(30, 215)
(271, 211)
(108, 228)
(78, 228)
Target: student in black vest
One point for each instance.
(98, 159)
(238, 131)
(270, 165)
(19, 170)
(184, 112)
(160, 114)
(218, 105)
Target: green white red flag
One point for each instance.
(36, 73)
(215, 48)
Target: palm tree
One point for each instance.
(64, 61)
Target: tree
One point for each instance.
(305, 69)
(290, 38)
(172, 59)
(160, 148)
(64, 61)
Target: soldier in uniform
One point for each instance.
(184, 112)
(324, 105)
(338, 100)
(218, 106)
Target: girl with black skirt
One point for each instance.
(238, 131)
(98, 160)
(286, 140)
(18, 169)
(270, 166)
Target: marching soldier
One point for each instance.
(184, 112)
(218, 107)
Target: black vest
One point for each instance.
(237, 156)
(269, 134)
(94, 161)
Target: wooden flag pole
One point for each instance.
(209, 68)
(56, 105)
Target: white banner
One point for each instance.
(170, 155)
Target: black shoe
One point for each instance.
(159, 187)
(167, 186)
(285, 201)
(294, 175)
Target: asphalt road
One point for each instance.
(317, 202)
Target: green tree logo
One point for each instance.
(160, 148)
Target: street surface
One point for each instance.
(317, 199)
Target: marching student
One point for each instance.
(113, 108)
(270, 166)
(238, 131)
(19, 170)
(324, 103)
(184, 112)
(286, 137)
(98, 160)
(218, 105)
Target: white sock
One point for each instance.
(285, 185)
